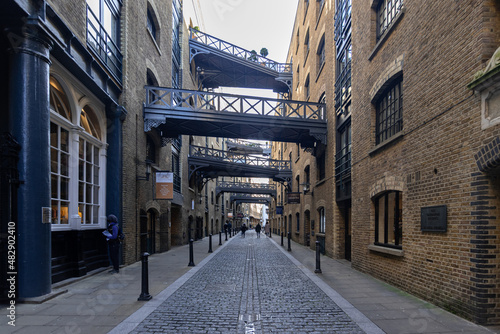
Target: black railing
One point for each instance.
(248, 185)
(343, 86)
(192, 100)
(249, 160)
(103, 45)
(214, 42)
(343, 162)
(177, 183)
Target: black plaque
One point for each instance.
(433, 219)
(279, 210)
(293, 198)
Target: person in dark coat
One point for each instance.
(113, 243)
(243, 230)
(258, 228)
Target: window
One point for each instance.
(389, 119)
(176, 170)
(389, 220)
(306, 45)
(321, 165)
(322, 220)
(298, 42)
(343, 156)
(176, 43)
(321, 54)
(297, 180)
(151, 24)
(150, 150)
(307, 87)
(297, 216)
(77, 194)
(343, 76)
(103, 33)
(387, 10)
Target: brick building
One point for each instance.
(410, 186)
(74, 145)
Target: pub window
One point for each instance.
(389, 219)
(389, 119)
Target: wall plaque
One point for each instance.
(433, 219)
(293, 198)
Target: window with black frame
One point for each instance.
(389, 118)
(389, 219)
(103, 33)
(387, 11)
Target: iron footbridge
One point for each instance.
(220, 63)
(189, 112)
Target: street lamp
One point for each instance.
(148, 171)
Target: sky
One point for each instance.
(250, 24)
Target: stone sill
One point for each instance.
(386, 250)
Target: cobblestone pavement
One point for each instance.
(250, 286)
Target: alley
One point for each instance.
(243, 284)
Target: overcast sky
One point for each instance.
(250, 24)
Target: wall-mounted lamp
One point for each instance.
(148, 171)
(307, 188)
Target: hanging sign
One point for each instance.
(293, 198)
(164, 185)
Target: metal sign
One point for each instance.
(279, 210)
(433, 218)
(164, 185)
(293, 198)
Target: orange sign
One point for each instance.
(164, 185)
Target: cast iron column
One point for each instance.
(29, 122)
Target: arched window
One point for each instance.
(77, 193)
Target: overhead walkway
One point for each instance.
(250, 198)
(189, 112)
(246, 188)
(208, 163)
(220, 63)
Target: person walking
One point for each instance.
(257, 230)
(243, 230)
(113, 243)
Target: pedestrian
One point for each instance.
(113, 243)
(257, 230)
(243, 230)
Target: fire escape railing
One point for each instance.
(216, 43)
(192, 100)
(249, 160)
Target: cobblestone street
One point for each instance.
(243, 282)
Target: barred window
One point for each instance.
(389, 120)
(387, 11)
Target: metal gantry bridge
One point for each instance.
(209, 163)
(173, 112)
(181, 111)
(246, 187)
(221, 63)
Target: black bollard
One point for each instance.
(270, 234)
(210, 243)
(318, 264)
(289, 244)
(281, 238)
(145, 280)
(226, 235)
(220, 238)
(191, 260)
